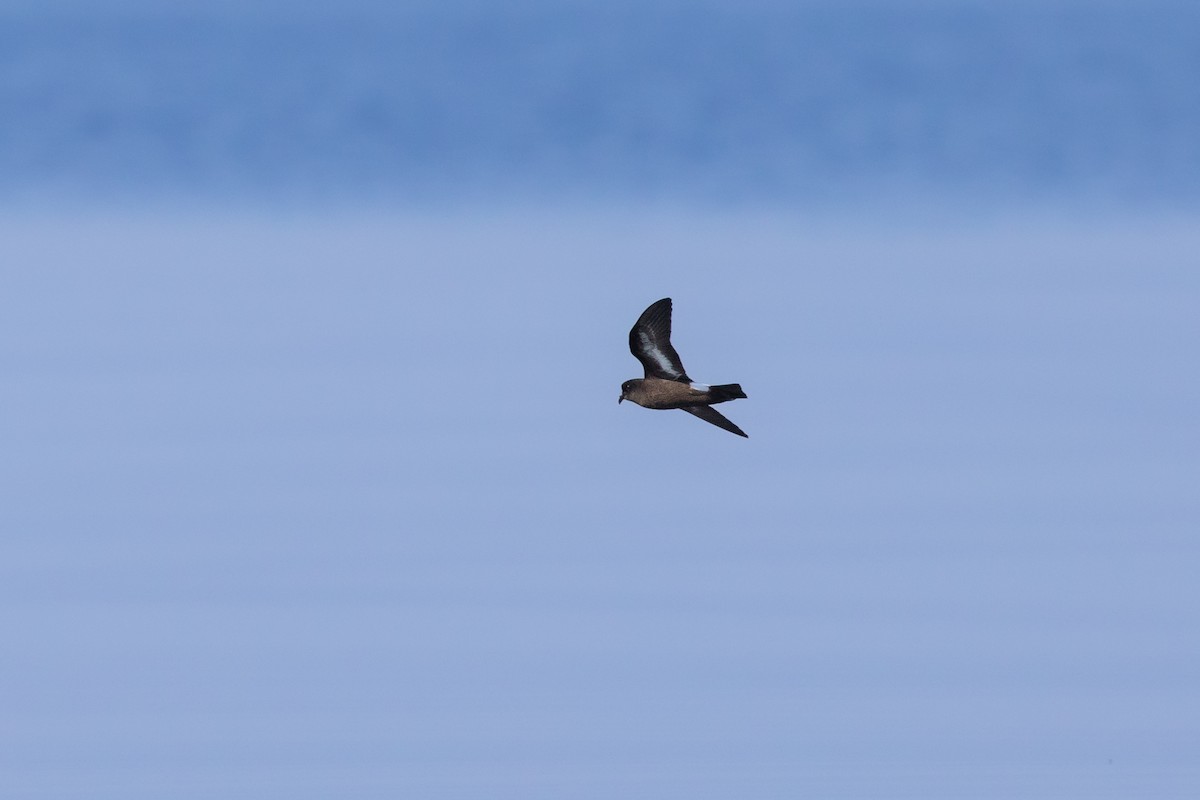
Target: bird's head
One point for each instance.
(625, 389)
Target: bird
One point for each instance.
(666, 384)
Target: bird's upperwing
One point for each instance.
(650, 343)
(710, 414)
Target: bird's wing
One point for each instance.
(650, 343)
(710, 414)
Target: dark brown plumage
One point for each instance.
(666, 384)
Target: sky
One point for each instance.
(316, 483)
(829, 106)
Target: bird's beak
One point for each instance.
(619, 399)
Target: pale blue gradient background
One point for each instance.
(313, 326)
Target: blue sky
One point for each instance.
(818, 104)
(320, 488)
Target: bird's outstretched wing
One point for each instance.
(710, 414)
(650, 343)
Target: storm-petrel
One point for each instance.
(666, 385)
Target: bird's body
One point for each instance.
(660, 393)
(666, 384)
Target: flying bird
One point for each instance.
(666, 384)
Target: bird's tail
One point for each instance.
(726, 391)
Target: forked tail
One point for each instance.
(726, 391)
